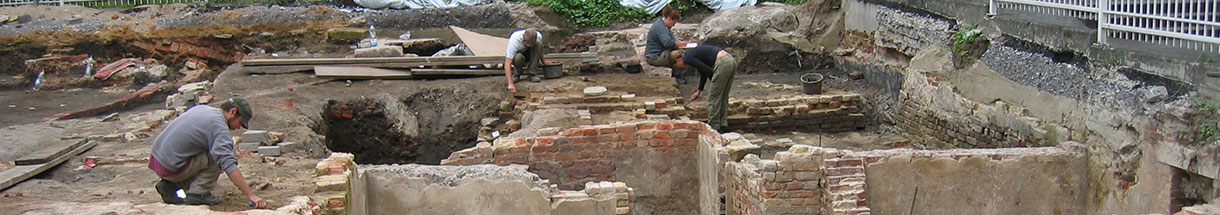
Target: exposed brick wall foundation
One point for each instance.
(655, 157)
(940, 118)
(837, 112)
(332, 183)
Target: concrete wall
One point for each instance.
(657, 158)
(977, 181)
(711, 157)
(391, 194)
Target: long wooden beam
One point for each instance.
(407, 62)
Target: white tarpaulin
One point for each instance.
(655, 6)
(418, 4)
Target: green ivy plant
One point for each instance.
(964, 37)
(1204, 123)
(595, 13)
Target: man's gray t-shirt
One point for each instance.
(201, 129)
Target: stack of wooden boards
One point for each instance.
(488, 51)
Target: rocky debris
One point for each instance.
(188, 95)
(1063, 79)
(495, 15)
(421, 47)
(773, 86)
(908, 32)
(380, 51)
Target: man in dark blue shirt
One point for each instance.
(717, 64)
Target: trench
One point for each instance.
(422, 127)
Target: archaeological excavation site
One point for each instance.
(600, 107)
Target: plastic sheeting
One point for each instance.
(418, 4)
(655, 6)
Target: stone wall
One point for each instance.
(792, 183)
(940, 118)
(655, 157)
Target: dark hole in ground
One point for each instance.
(1059, 56)
(1188, 189)
(424, 127)
(1175, 88)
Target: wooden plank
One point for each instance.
(359, 73)
(482, 44)
(48, 152)
(474, 72)
(17, 174)
(374, 60)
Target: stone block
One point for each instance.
(650, 105)
(288, 146)
(270, 150)
(595, 91)
(380, 51)
(327, 183)
(346, 34)
(255, 136)
(250, 147)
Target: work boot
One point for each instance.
(681, 80)
(168, 192)
(535, 78)
(202, 199)
(516, 77)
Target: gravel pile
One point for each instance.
(253, 15)
(1063, 79)
(456, 175)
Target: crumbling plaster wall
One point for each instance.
(1047, 180)
(409, 189)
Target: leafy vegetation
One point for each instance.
(594, 13)
(1203, 57)
(963, 38)
(1204, 123)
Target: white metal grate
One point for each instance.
(1191, 24)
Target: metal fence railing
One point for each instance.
(1191, 24)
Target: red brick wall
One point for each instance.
(656, 157)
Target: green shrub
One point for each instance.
(594, 13)
(1204, 123)
(963, 38)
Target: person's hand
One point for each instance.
(512, 88)
(695, 95)
(258, 202)
(278, 135)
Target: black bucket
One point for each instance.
(552, 71)
(811, 83)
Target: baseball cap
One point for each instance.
(243, 110)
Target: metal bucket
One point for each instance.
(811, 83)
(551, 71)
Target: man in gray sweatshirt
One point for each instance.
(194, 148)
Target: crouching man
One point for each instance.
(194, 148)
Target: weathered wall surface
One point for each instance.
(977, 181)
(656, 157)
(414, 189)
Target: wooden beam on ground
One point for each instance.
(20, 173)
(472, 72)
(360, 73)
(48, 152)
(444, 60)
(139, 97)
